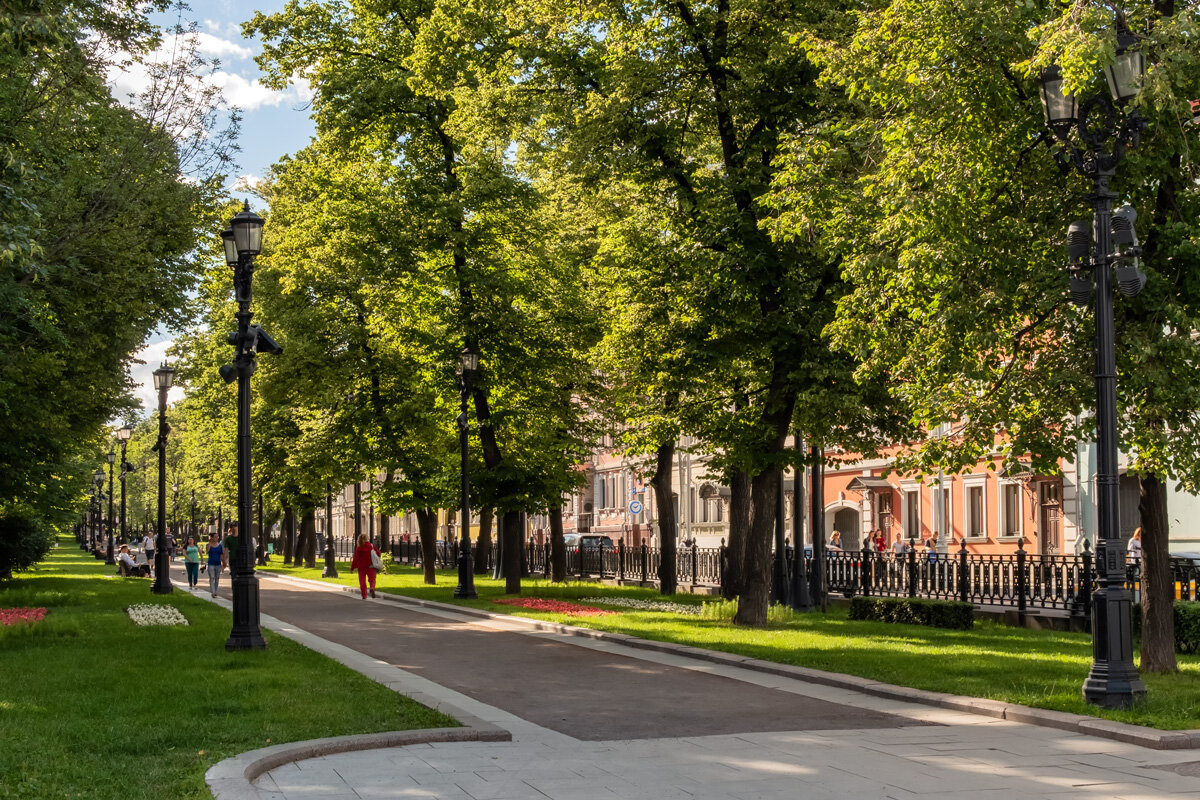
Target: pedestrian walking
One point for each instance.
(217, 559)
(362, 561)
(148, 549)
(191, 562)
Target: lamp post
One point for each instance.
(1113, 681)
(243, 241)
(164, 376)
(468, 362)
(330, 570)
(110, 557)
(97, 496)
(123, 434)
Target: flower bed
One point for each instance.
(553, 606)
(12, 616)
(646, 605)
(155, 614)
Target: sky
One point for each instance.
(274, 124)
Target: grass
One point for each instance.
(94, 706)
(1044, 669)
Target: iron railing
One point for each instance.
(1019, 580)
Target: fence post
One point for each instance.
(1022, 580)
(912, 566)
(645, 563)
(721, 554)
(620, 559)
(695, 561)
(964, 577)
(866, 567)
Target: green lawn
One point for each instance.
(1045, 669)
(94, 706)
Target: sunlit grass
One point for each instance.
(1044, 669)
(94, 706)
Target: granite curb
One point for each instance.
(1074, 723)
(233, 778)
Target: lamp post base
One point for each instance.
(1113, 681)
(466, 575)
(162, 574)
(246, 633)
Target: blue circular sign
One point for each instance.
(635, 507)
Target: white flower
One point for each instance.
(147, 614)
(645, 605)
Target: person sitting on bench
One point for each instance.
(127, 566)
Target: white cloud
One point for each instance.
(247, 94)
(220, 47)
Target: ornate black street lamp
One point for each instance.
(1105, 134)
(243, 241)
(97, 496)
(468, 362)
(110, 557)
(164, 376)
(123, 434)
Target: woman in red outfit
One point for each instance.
(362, 562)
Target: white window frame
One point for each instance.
(946, 493)
(1003, 535)
(970, 482)
(907, 490)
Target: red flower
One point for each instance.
(11, 616)
(553, 606)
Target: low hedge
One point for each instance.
(914, 611)
(1187, 625)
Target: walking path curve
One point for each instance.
(591, 717)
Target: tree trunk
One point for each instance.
(287, 531)
(385, 527)
(427, 533)
(1158, 586)
(663, 497)
(308, 538)
(483, 545)
(755, 598)
(558, 548)
(734, 575)
(510, 529)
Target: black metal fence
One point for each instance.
(1018, 580)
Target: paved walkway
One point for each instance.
(596, 720)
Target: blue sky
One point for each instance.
(274, 124)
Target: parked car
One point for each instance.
(597, 541)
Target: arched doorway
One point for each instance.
(845, 517)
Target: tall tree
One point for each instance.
(943, 196)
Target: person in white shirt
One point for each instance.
(1134, 547)
(127, 565)
(148, 549)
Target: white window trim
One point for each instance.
(969, 482)
(905, 488)
(1002, 513)
(948, 520)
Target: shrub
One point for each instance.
(1187, 625)
(914, 611)
(24, 541)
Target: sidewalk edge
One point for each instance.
(1081, 724)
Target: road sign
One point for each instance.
(635, 507)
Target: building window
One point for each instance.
(947, 517)
(974, 510)
(912, 514)
(1010, 509)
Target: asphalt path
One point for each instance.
(582, 692)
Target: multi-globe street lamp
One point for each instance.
(1105, 134)
(110, 557)
(164, 376)
(468, 362)
(243, 241)
(123, 434)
